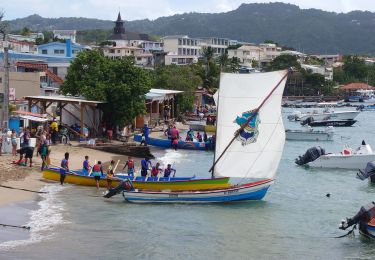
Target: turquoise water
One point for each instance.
(295, 220)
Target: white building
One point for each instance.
(181, 49)
(65, 34)
(327, 72)
(270, 51)
(141, 57)
(246, 54)
(218, 45)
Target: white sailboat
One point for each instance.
(310, 134)
(249, 142)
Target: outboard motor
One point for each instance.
(368, 172)
(364, 215)
(311, 154)
(124, 185)
(307, 121)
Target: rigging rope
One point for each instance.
(8, 187)
(255, 112)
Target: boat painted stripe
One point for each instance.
(252, 195)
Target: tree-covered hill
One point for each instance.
(307, 30)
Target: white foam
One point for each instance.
(43, 220)
(171, 157)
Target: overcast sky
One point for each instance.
(152, 9)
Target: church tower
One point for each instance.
(119, 26)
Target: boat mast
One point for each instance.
(217, 117)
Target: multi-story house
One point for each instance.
(181, 49)
(247, 54)
(61, 49)
(218, 45)
(270, 51)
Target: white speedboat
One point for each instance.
(309, 134)
(328, 115)
(346, 159)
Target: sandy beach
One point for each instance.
(30, 178)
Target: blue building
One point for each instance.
(60, 49)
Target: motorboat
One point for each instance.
(346, 159)
(365, 218)
(327, 114)
(336, 123)
(310, 134)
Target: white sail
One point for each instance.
(255, 154)
(215, 96)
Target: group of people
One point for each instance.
(155, 170)
(97, 171)
(200, 138)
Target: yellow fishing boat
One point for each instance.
(173, 184)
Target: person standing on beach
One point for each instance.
(110, 174)
(86, 166)
(55, 130)
(130, 164)
(13, 139)
(43, 155)
(64, 168)
(97, 172)
(145, 164)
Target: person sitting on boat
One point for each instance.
(155, 170)
(110, 174)
(86, 166)
(167, 132)
(205, 138)
(64, 168)
(97, 172)
(187, 139)
(168, 171)
(191, 135)
(199, 137)
(145, 164)
(130, 164)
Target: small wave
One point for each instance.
(43, 220)
(171, 156)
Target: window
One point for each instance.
(1, 80)
(44, 51)
(179, 51)
(57, 51)
(118, 51)
(139, 58)
(111, 51)
(179, 41)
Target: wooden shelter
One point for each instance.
(79, 104)
(356, 86)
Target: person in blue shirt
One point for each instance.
(64, 169)
(146, 165)
(86, 166)
(168, 171)
(146, 132)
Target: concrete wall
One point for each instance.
(24, 83)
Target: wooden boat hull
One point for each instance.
(250, 191)
(342, 161)
(166, 143)
(367, 229)
(176, 184)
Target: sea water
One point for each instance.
(296, 220)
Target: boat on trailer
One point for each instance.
(139, 182)
(365, 218)
(250, 138)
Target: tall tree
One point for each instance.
(118, 83)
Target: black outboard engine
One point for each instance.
(307, 121)
(364, 215)
(311, 154)
(368, 172)
(124, 185)
(360, 108)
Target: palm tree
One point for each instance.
(223, 61)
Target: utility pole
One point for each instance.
(6, 85)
